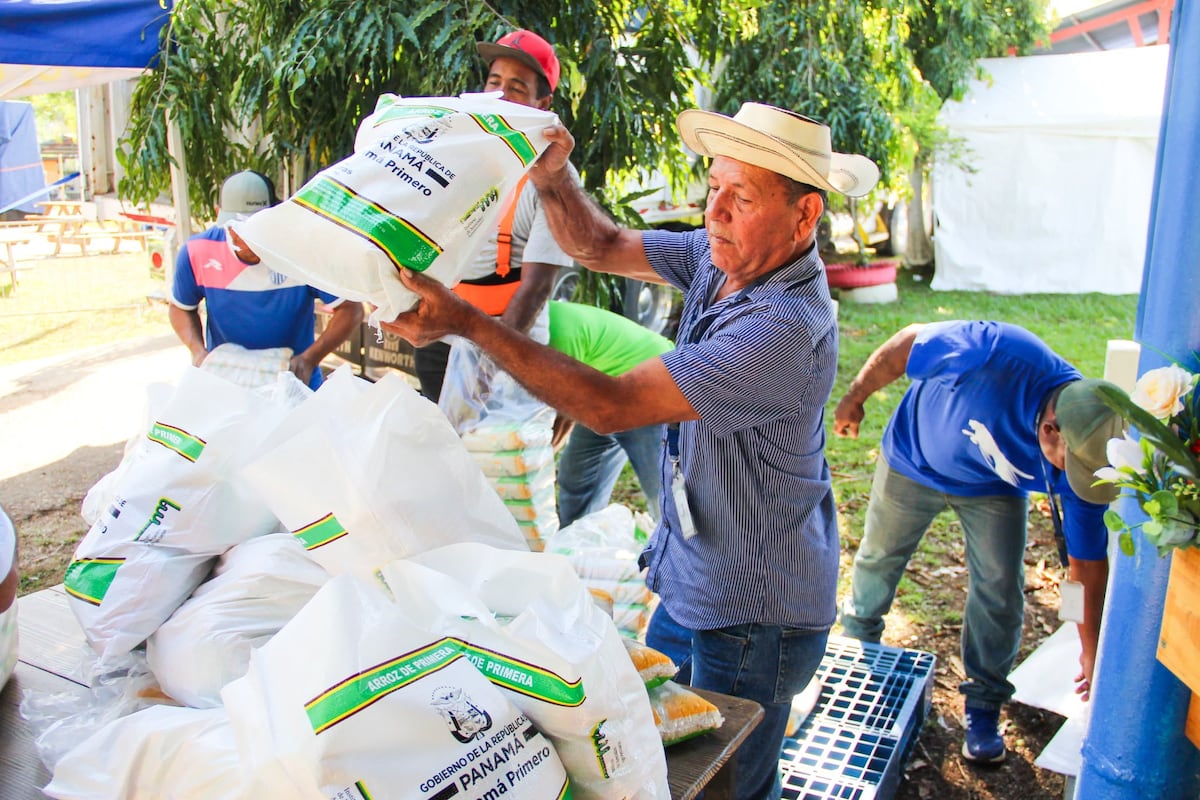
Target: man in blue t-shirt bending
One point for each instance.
(247, 303)
(992, 414)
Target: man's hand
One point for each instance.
(847, 416)
(1083, 681)
(198, 356)
(301, 368)
(552, 164)
(439, 312)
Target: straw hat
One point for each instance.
(780, 141)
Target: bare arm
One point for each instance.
(1094, 577)
(885, 365)
(537, 280)
(580, 226)
(643, 396)
(187, 326)
(346, 317)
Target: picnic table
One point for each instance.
(49, 656)
(11, 237)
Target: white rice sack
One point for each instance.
(681, 714)
(423, 190)
(178, 502)
(383, 477)
(352, 700)
(245, 367)
(255, 589)
(160, 753)
(556, 653)
(8, 598)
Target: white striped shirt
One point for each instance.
(758, 367)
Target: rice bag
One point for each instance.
(254, 590)
(541, 638)
(159, 753)
(654, 667)
(178, 502)
(681, 714)
(381, 475)
(8, 598)
(423, 190)
(353, 700)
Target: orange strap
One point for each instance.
(493, 297)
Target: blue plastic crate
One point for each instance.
(853, 746)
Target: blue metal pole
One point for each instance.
(1135, 747)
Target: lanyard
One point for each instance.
(1056, 517)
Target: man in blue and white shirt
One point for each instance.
(992, 414)
(746, 555)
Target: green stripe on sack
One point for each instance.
(317, 534)
(177, 440)
(404, 244)
(524, 678)
(517, 142)
(361, 690)
(88, 579)
(403, 112)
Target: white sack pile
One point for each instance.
(366, 473)
(423, 190)
(177, 502)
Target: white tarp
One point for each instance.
(1064, 147)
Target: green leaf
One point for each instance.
(1126, 543)
(1165, 503)
(1113, 521)
(1152, 527)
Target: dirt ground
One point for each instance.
(66, 421)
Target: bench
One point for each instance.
(83, 238)
(11, 238)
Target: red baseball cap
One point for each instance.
(528, 48)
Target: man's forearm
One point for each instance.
(188, 327)
(345, 318)
(1094, 577)
(537, 281)
(886, 365)
(587, 234)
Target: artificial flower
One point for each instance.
(1161, 466)
(1161, 391)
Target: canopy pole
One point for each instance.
(1135, 746)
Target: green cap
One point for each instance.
(1087, 424)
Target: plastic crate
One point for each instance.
(854, 744)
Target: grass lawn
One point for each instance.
(72, 302)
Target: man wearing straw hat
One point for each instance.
(745, 559)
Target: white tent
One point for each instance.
(1064, 149)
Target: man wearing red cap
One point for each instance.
(514, 273)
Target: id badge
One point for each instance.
(1071, 607)
(679, 493)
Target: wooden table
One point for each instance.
(11, 237)
(51, 646)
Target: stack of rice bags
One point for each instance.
(508, 433)
(603, 547)
(175, 503)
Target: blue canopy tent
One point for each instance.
(73, 44)
(49, 47)
(21, 173)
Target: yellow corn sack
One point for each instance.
(681, 714)
(654, 667)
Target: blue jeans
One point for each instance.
(769, 664)
(590, 464)
(899, 513)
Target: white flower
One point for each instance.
(1109, 475)
(1125, 452)
(1160, 390)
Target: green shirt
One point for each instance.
(601, 339)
